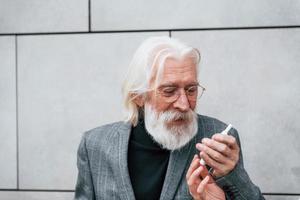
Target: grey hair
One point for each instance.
(152, 52)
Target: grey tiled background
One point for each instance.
(62, 64)
(71, 91)
(18, 16)
(178, 14)
(8, 175)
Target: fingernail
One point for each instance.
(205, 140)
(216, 136)
(199, 145)
(199, 170)
(201, 154)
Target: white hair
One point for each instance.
(174, 137)
(152, 52)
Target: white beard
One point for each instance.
(174, 137)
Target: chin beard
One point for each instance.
(164, 129)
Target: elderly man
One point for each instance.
(154, 153)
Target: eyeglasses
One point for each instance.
(171, 93)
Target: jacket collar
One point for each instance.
(124, 185)
(176, 167)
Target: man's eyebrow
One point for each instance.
(176, 85)
(168, 85)
(192, 84)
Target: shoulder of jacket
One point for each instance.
(104, 132)
(210, 120)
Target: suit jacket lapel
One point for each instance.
(176, 167)
(175, 171)
(124, 184)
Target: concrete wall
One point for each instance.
(63, 61)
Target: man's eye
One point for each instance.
(192, 90)
(169, 91)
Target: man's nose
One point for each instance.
(182, 103)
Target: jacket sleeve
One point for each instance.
(84, 187)
(237, 184)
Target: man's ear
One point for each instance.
(139, 100)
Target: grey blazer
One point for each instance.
(103, 171)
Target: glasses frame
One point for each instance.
(203, 89)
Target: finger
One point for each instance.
(194, 194)
(194, 165)
(217, 146)
(201, 187)
(195, 176)
(193, 191)
(232, 150)
(211, 162)
(226, 139)
(217, 156)
(194, 181)
(205, 173)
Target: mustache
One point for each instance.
(169, 116)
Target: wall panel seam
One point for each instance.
(154, 30)
(17, 110)
(89, 16)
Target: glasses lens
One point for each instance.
(201, 90)
(193, 93)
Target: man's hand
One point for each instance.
(201, 185)
(221, 152)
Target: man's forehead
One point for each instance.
(176, 72)
(178, 65)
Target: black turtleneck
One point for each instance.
(147, 164)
